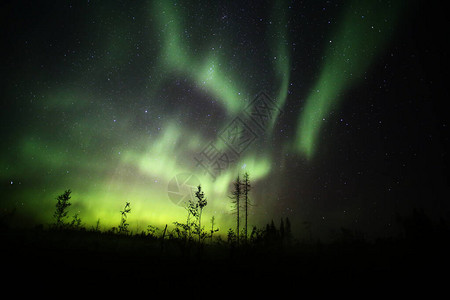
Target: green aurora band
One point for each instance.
(365, 28)
(206, 72)
(79, 138)
(97, 150)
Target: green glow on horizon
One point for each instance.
(139, 175)
(81, 141)
(364, 30)
(109, 146)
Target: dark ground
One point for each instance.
(89, 257)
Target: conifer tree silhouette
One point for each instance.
(236, 196)
(61, 208)
(201, 204)
(192, 209)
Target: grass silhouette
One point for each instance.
(270, 255)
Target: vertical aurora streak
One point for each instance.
(364, 29)
(279, 41)
(118, 98)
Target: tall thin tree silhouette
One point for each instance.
(212, 228)
(201, 204)
(246, 187)
(236, 196)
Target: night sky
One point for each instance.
(335, 108)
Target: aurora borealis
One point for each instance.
(350, 52)
(114, 99)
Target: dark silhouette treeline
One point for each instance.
(267, 254)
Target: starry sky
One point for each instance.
(335, 108)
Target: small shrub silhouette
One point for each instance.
(152, 230)
(76, 222)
